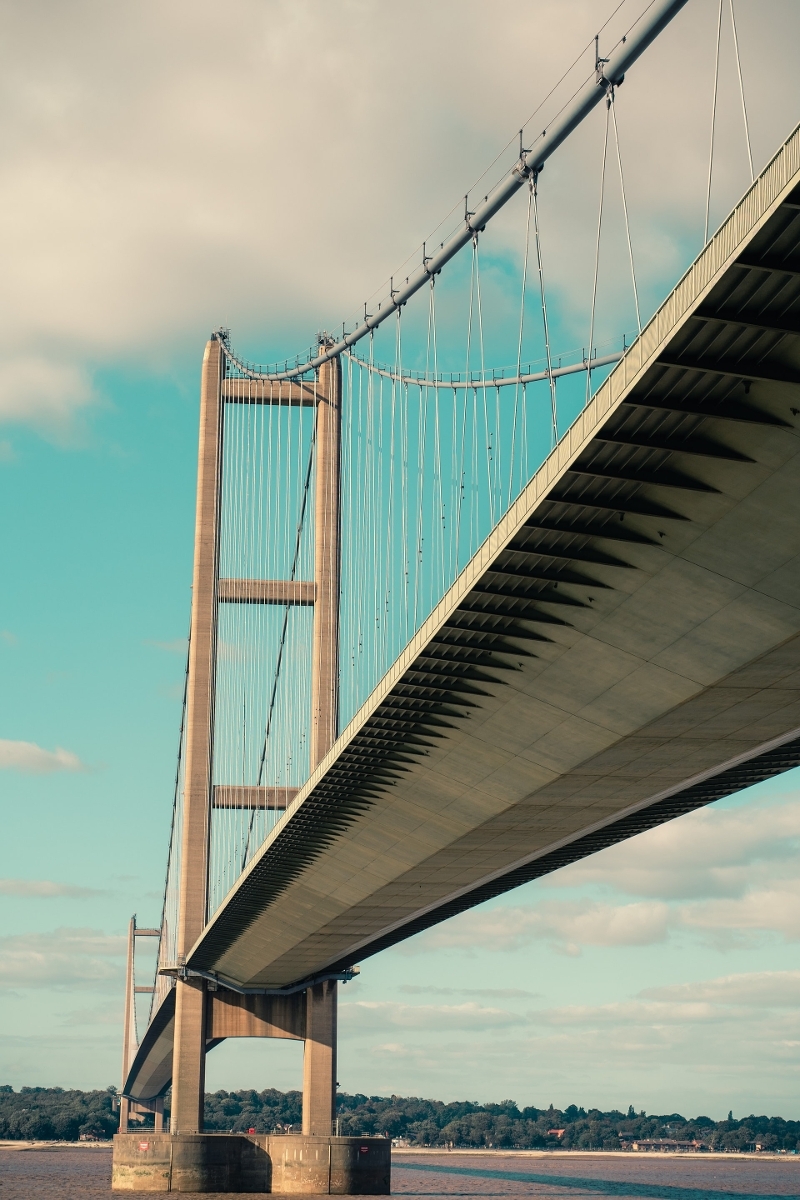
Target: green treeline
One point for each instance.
(48, 1113)
(464, 1123)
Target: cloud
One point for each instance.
(714, 852)
(764, 989)
(496, 993)
(67, 958)
(364, 1016)
(43, 393)
(625, 1013)
(32, 759)
(8, 637)
(46, 887)
(568, 924)
(109, 1014)
(119, 236)
(761, 910)
(176, 646)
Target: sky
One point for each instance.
(163, 173)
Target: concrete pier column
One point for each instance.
(319, 1059)
(327, 555)
(188, 1065)
(189, 1058)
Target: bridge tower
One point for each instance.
(316, 1006)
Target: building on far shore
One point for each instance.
(663, 1146)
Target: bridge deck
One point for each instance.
(624, 647)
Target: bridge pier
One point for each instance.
(319, 1059)
(189, 1057)
(237, 1162)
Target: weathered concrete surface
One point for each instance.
(218, 1162)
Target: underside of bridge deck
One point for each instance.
(623, 649)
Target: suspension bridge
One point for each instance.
(449, 635)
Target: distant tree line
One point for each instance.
(467, 1124)
(35, 1113)
(47, 1113)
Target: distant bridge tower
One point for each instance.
(130, 1042)
(314, 1014)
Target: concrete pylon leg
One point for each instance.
(124, 1110)
(319, 1059)
(189, 1064)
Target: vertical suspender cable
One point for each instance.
(542, 294)
(597, 256)
(460, 464)
(613, 110)
(741, 93)
(519, 340)
(489, 481)
(713, 122)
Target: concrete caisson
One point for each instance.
(232, 1162)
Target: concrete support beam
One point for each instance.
(765, 324)
(758, 372)
(232, 1015)
(319, 1059)
(266, 391)
(767, 264)
(266, 591)
(325, 656)
(188, 1069)
(231, 795)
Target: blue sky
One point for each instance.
(126, 242)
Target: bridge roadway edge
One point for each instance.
(249, 940)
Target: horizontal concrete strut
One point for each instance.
(266, 391)
(266, 591)
(226, 795)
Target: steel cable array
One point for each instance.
(430, 462)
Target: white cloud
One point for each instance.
(413, 989)
(708, 853)
(153, 188)
(64, 959)
(625, 1013)
(765, 989)
(45, 887)
(175, 646)
(365, 1015)
(761, 910)
(28, 757)
(567, 924)
(108, 1014)
(39, 392)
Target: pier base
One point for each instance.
(236, 1162)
